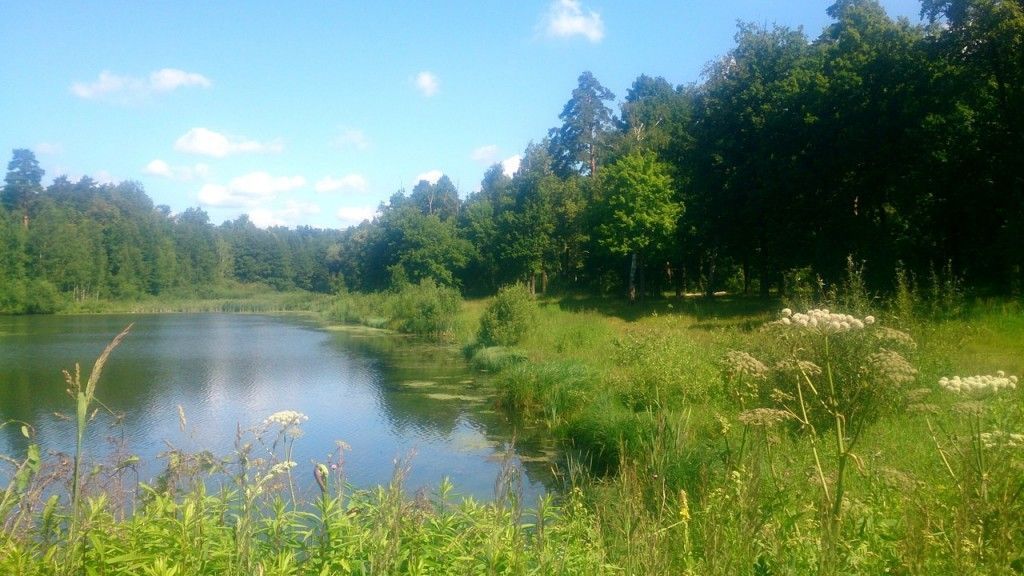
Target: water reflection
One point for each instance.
(385, 396)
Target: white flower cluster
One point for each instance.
(979, 383)
(1000, 439)
(823, 320)
(285, 418)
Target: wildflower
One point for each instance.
(739, 363)
(923, 408)
(918, 394)
(286, 418)
(822, 320)
(980, 383)
(889, 366)
(1000, 439)
(970, 408)
(763, 417)
(894, 336)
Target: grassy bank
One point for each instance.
(711, 459)
(701, 437)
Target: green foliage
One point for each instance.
(640, 211)
(41, 297)
(587, 121)
(427, 309)
(509, 317)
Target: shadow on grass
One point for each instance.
(718, 311)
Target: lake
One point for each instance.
(385, 396)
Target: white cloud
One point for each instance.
(249, 190)
(566, 18)
(353, 215)
(160, 168)
(485, 154)
(209, 143)
(110, 86)
(352, 182)
(168, 79)
(352, 138)
(290, 215)
(510, 165)
(431, 176)
(427, 83)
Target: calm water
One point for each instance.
(385, 396)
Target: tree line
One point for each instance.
(896, 145)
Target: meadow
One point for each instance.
(839, 434)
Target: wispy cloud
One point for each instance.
(113, 87)
(248, 191)
(352, 138)
(431, 176)
(348, 182)
(484, 154)
(161, 168)
(209, 143)
(567, 18)
(427, 83)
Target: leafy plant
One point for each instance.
(509, 317)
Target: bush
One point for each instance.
(508, 319)
(425, 308)
(42, 297)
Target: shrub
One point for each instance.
(508, 319)
(425, 308)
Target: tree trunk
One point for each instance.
(712, 261)
(632, 278)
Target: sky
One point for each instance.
(313, 113)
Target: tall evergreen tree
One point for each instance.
(586, 121)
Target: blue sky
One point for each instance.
(315, 112)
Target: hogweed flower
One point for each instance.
(979, 383)
(288, 420)
(891, 367)
(765, 417)
(739, 363)
(894, 336)
(822, 320)
(1000, 439)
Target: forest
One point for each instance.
(897, 146)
